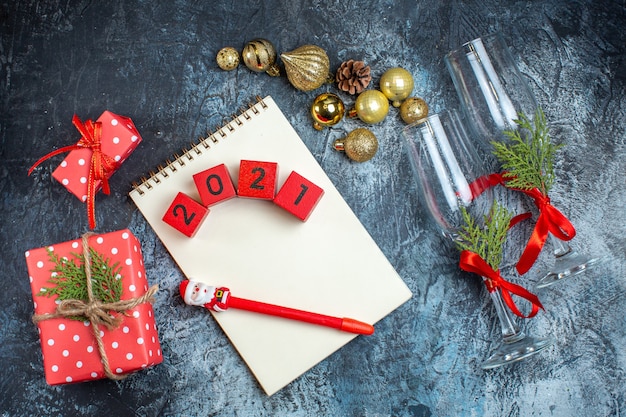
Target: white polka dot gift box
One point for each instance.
(91, 332)
(101, 149)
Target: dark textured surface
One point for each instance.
(154, 61)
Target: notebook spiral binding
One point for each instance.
(176, 161)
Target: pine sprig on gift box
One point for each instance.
(486, 240)
(528, 160)
(70, 282)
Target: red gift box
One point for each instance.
(119, 139)
(69, 347)
(99, 152)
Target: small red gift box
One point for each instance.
(99, 152)
(70, 351)
(119, 139)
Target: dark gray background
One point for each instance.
(154, 61)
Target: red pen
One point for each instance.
(219, 299)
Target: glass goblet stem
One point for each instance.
(510, 331)
(560, 248)
(515, 345)
(567, 263)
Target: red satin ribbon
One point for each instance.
(100, 168)
(472, 262)
(481, 184)
(550, 220)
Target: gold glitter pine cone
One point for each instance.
(307, 67)
(353, 76)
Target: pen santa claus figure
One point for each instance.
(200, 294)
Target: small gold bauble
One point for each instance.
(413, 109)
(260, 56)
(327, 110)
(227, 58)
(307, 67)
(360, 145)
(396, 84)
(371, 106)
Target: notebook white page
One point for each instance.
(328, 264)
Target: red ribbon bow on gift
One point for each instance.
(550, 220)
(472, 262)
(100, 168)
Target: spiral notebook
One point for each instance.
(328, 264)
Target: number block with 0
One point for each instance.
(214, 185)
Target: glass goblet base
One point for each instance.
(515, 350)
(567, 265)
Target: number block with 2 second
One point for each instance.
(185, 214)
(298, 196)
(214, 185)
(257, 179)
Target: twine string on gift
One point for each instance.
(100, 168)
(97, 312)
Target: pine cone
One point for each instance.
(353, 76)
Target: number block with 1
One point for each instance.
(298, 196)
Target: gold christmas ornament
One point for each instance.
(227, 58)
(413, 109)
(327, 110)
(371, 106)
(260, 56)
(360, 145)
(396, 84)
(307, 67)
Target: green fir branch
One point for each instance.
(69, 281)
(486, 240)
(529, 157)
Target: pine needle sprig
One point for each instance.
(486, 240)
(69, 281)
(528, 160)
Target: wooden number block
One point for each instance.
(257, 179)
(185, 214)
(298, 196)
(214, 185)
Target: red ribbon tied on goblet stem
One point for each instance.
(481, 184)
(472, 262)
(550, 220)
(100, 167)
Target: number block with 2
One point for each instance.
(257, 179)
(185, 214)
(298, 196)
(214, 185)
